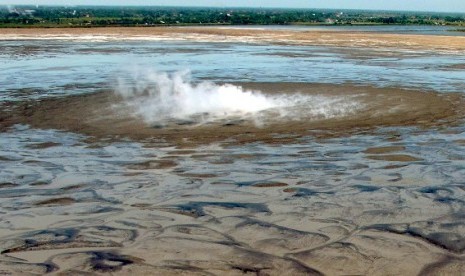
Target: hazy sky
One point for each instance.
(417, 5)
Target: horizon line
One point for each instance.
(241, 7)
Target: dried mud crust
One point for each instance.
(96, 115)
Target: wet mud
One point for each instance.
(106, 116)
(87, 187)
(244, 35)
(320, 206)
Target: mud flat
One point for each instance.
(319, 206)
(347, 180)
(222, 34)
(105, 115)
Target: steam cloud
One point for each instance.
(160, 97)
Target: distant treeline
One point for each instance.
(84, 16)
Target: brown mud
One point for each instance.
(104, 115)
(267, 203)
(224, 34)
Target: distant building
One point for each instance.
(29, 12)
(15, 11)
(329, 21)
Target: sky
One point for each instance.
(411, 5)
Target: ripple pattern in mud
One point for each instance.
(313, 207)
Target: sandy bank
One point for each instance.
(217, 34)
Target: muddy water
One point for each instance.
(38, 68)
(387, 199)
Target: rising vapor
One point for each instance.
(158, 97)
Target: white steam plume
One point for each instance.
(159, 97)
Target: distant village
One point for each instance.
(75, 16)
